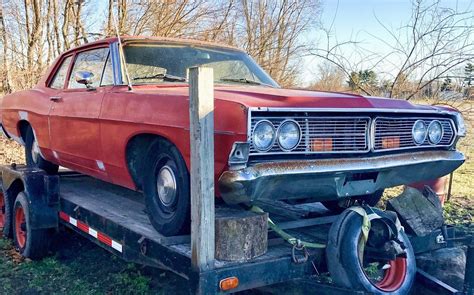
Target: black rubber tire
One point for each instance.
(37, 240)
(174, 220)
(370, 200)
(41, 163)
(3, 215)
(9, 201)
(343, 261)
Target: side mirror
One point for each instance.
(84, 77)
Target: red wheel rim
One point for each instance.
(2, 211)
(394, 276)
(20, 227)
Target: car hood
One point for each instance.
(259, 96)
(295, 98)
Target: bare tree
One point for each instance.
(5, 81)
(433, 42)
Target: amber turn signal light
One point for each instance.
(229, 283)
(321, 145)
(390, 142)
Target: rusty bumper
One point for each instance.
(329, 179)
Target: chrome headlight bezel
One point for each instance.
(430, 126)
(271, 143)
(425, 132)
(279, 132)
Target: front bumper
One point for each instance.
(329, 179)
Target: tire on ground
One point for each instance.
(370, 200)
(41, 163)
(344, 264)
(31, 243)
(170, 213)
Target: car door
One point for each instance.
(73, 119)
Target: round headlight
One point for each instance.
(419, 132)
(289, 135)
(435, 132)
(263, 135)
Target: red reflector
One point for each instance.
(391, 142)
(229, 283)
(321, 145)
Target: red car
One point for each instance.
(270, 143)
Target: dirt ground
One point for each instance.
(80, 267)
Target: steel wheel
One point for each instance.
(20, 227)
(387, 276)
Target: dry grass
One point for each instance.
(11, 152)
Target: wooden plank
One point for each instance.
(201, 116)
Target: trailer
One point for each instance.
(114, 218)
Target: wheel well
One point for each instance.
(23, 127)
(135, 154)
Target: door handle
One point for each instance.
(55, 98)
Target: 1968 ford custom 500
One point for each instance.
(270, 143)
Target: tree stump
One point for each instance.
(240, 235)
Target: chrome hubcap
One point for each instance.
(35, 151)
(166, 185)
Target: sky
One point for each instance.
(357, 20)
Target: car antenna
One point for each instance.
(120, 45)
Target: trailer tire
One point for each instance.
(345, 267)
(167, 189)
(31, 243)
(6, 231)
(34, 159)
(371, 200)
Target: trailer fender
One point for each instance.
(42, 191)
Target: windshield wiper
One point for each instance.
(244, 80)
(164, 77)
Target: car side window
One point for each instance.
(91, 61)
(60, 77)
(108, 75)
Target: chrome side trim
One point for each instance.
(357, 110)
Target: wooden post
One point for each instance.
(201, 116)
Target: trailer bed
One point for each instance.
(120, 213)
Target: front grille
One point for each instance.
(323, 134)
(389, 131)
(359, 134)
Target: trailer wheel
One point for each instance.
(341, 205)
(167, 189)
(346, 264)
(31, 243)
(33, 155)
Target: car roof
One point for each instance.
(143, 39)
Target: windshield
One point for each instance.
(157, 63)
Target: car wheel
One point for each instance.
(351, 268)
(167, 189)
(31, 243)
(33, 154)
(340, 205)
